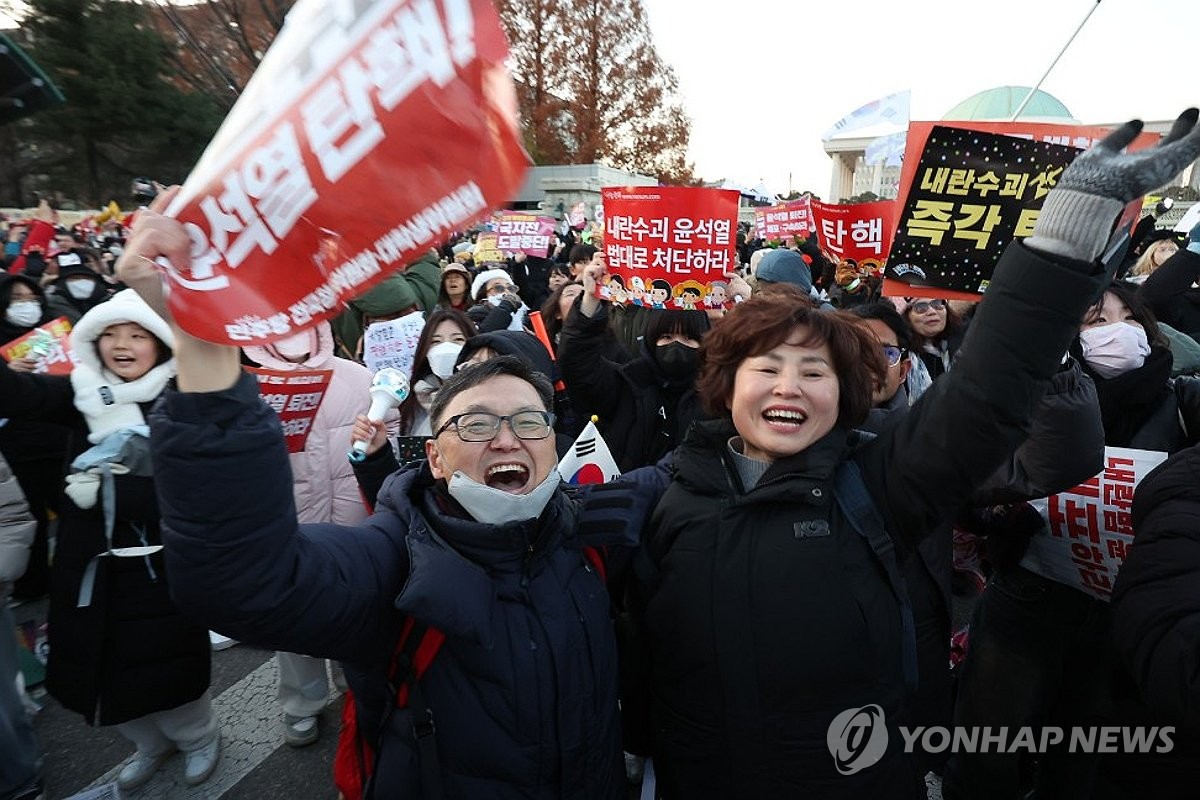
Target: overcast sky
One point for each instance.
(762, 79)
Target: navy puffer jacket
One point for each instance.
(524, 689)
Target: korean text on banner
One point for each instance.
(862, 231)
(295, 397)
(1091, 526)
(50, 344)
(393, 343)
(973, 194)
(356, 146)
(784, 221)
(964, 196)
(669, 246)
(524, 233)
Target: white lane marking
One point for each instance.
(249, 716)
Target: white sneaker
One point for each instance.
(300, 731)
(220, 642)
(199, 764)
(140, 770)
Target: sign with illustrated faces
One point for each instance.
(669, 246)
(967, 190)
(49, 344)
(1089, 528)
(295, 396)
(356, 146)
(859, 231)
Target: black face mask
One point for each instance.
(677, 360)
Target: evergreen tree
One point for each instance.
(122, 117)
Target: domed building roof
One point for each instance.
(1001, 102)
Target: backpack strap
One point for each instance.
(851, 494)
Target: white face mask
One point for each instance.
(496, 507)
(295, 347)
(81, 289)
(24, 313)
(495, 299)
(1114, 349)
(442, 357)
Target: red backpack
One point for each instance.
(418, 645)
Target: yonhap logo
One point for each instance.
(857, 738)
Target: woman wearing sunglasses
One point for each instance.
(938, 332)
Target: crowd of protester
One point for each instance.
(811, 473)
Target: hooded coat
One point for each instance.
(322, 477)
(128, 651)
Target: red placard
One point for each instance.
(356, 146)
(862, 231)
(1079, 136)
(669, 246)
(295, 397)
(784, 221)
(49, 343)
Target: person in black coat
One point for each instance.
(1032, 632)
(1169, 290)
(780, 651)
(122, 654)
(644, 405)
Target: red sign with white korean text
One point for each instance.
(669, 246)
(1077, 136)
(861, 231)
(524, 233)
(295, 397)
(50, 344)
(1090, 526)
(356, 146)
(784, 221)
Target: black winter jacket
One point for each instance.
(131, 651)
(643, 415)
(764, 624)
(1169, 293)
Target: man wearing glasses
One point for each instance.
(481, 544)
(891, 398)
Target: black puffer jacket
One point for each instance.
(1169, 293)
(767, 615)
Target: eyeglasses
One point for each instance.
(893, 354)
(480, 426)
(501, 289)
(922, 306)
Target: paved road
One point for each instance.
(255, 763)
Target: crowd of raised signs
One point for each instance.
(814, 478)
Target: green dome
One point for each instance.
(1001, 102)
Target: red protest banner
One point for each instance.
(669, 246)
(862, 231)
(784, 221)
(1080, 137)
(50, 344)
(356, 146)
(524, 233)
(295, 397)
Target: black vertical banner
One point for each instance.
(973, 193)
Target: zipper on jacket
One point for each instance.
(527, 563)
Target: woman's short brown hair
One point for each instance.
(766, 321)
